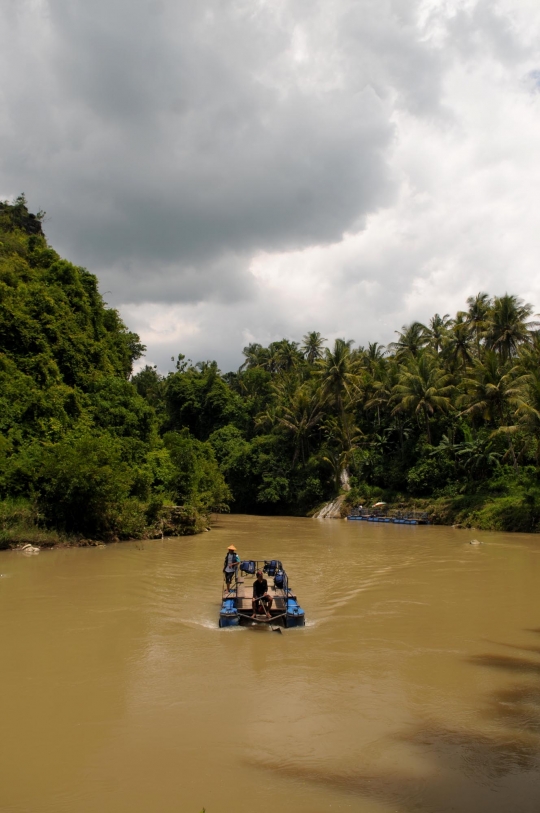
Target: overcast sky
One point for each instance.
(247, 171)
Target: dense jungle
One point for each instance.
(445, 418)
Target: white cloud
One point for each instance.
(240, 171)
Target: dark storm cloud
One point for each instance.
(169, 141)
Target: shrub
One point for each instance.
(428, 475)
(197, 479)
(81, 483)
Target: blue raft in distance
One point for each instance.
(397, 520)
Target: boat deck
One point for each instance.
(244, 596)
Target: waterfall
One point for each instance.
(332, 510)
(344, 477)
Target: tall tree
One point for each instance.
(458, 348)
(339, 374)
(477, 315)
(423, 389)
(299, 413)
(255, 356)
(411, 339)
(490, 390)
(493, 393)
(509, 326)
(437, 331)
(312, 348)
(340, 381)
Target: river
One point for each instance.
(415, 685)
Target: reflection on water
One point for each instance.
(414, 687)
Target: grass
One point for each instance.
(19, 526)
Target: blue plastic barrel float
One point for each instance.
(228, 615)
(295, 614)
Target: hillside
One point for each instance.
(80, 450)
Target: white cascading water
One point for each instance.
(332, 510)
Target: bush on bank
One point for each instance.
(19, 526)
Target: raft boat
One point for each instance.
(395, 517)
(236, 601)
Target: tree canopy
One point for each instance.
(78, 438)
(450, 406)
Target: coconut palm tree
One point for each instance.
(375, 352)
(299, 413)
(256, 356)
(423, 389)
(458, 344)
(379, 387)
(527, 412)
(477, 455)
(312, 349)
(267, 419)
(493, 393)
(286, 355)
(529, 354)
(490, 390)
(477, 315)
(343, 437)
(411, 340)
(381, 390)
(338, 373)
(509, 326)
(437, 331)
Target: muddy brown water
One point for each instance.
(414, 687)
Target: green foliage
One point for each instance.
(448, 413)
(438, 412)
(430, 474)
(199, 399)
(77, 437)
(19, 525)
(197, 480)
(78, 483)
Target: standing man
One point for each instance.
(260, 595)
(230, 564)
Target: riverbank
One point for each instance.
(514, 508)
(516, 511)
(21, 525)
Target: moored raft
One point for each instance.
(237, 601)
(392, 516)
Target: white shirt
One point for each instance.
(231, 559)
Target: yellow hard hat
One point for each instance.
(231, 547)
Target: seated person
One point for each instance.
(260, 595)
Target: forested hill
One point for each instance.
(447, 416)
(80, 449)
